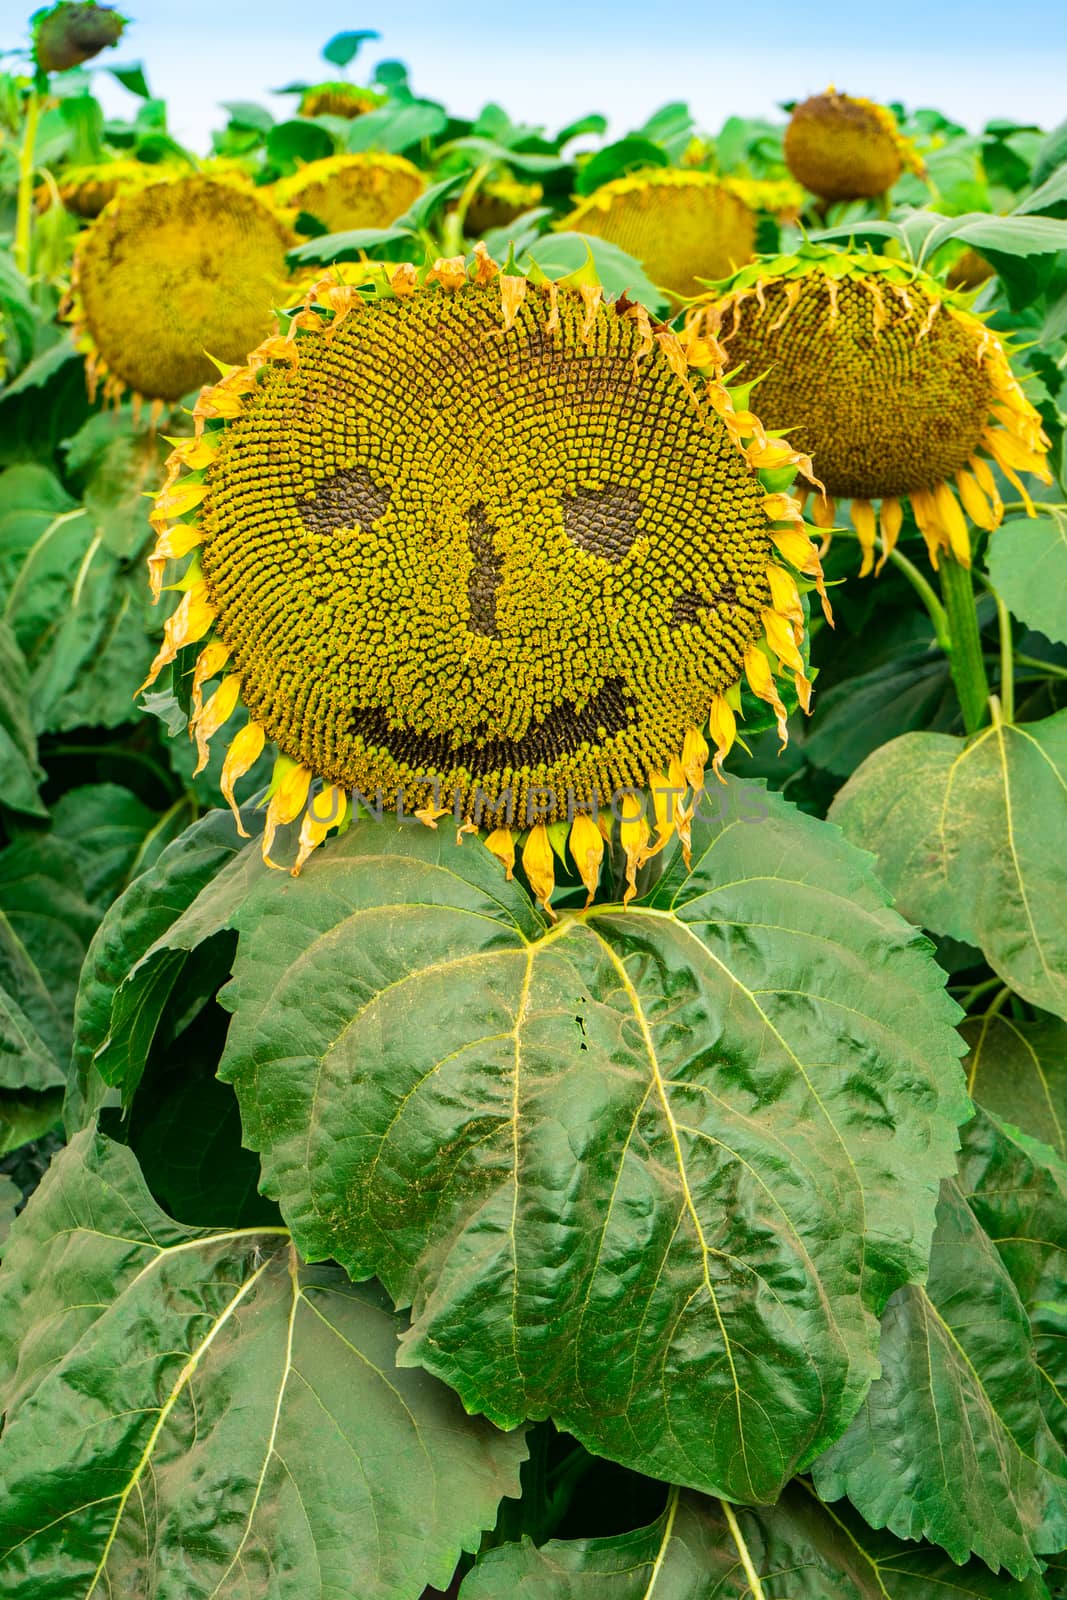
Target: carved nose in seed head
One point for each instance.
(486, 568)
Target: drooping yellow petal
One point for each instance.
(890, 518)
(213, 714)
(694, 758)
(823, 512)
(179, 499)
(722, 725)
(954, 523)
(209, 663)
(781, 640)
(925, 508)
(862, 514)
(501, 842)
(633, 835)
(797, 549)
(286, 803)
(586, 845)
(975, 502)
(189, 622)
(785, 597)
(171, 545)
(246, 747)
(761, 682)
(782, 508)
(539, 865)
(325, 810)
(985, 480)
(667, 801)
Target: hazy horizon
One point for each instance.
(558, 62)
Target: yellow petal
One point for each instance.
(823, 512)
(954, 523)
(213, 714)
(667, 800)
(286, 804)
(209, 663)
(177, 501)
(761, 682)
(246, 747)
(694, 758)
(512, 294)
(781, 640)
(538, 864)
(633, 833)
(891, 518)
(862, 514)
(502, 844)
(797, 549)
(325, 810)
(722, 725)
(985, 480)
(586, 845)
(782, 508)
(975, 502)
(171, 545)
(189, 622)
(785, 597)
(925, 508)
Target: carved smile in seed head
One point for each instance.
(604, 523)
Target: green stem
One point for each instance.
(456, 220)
(1047, 669)
(925, 591)
(965, 648)
(967, 1000)
(24, 207)
(923, 588)
(1007, 667)
(755, 1587)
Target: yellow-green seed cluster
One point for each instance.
(504, 559)
(682, 226)
(353, 191)
(884, 397)
(169, 272)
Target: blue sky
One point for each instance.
(552, 60)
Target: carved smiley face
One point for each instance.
(502, 559)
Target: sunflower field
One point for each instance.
(533, 847)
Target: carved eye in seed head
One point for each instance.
(348, 499)
(603, 521)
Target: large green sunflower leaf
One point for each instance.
(651, 1172)
(137, 955)
(1018, 1069)
(193, 1411)
(854, 717)
(1028, 568)
(22, 771)
(951, 1443)
(104, 826)
(1017, 1188)
(966, 838)
(800, 1550)
(45, 928)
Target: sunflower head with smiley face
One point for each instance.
(482, 545)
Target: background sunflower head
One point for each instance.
(489, 547)
(339, 99)
(846, 149)
(171, 275)
(365, 190)
(889, 381)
